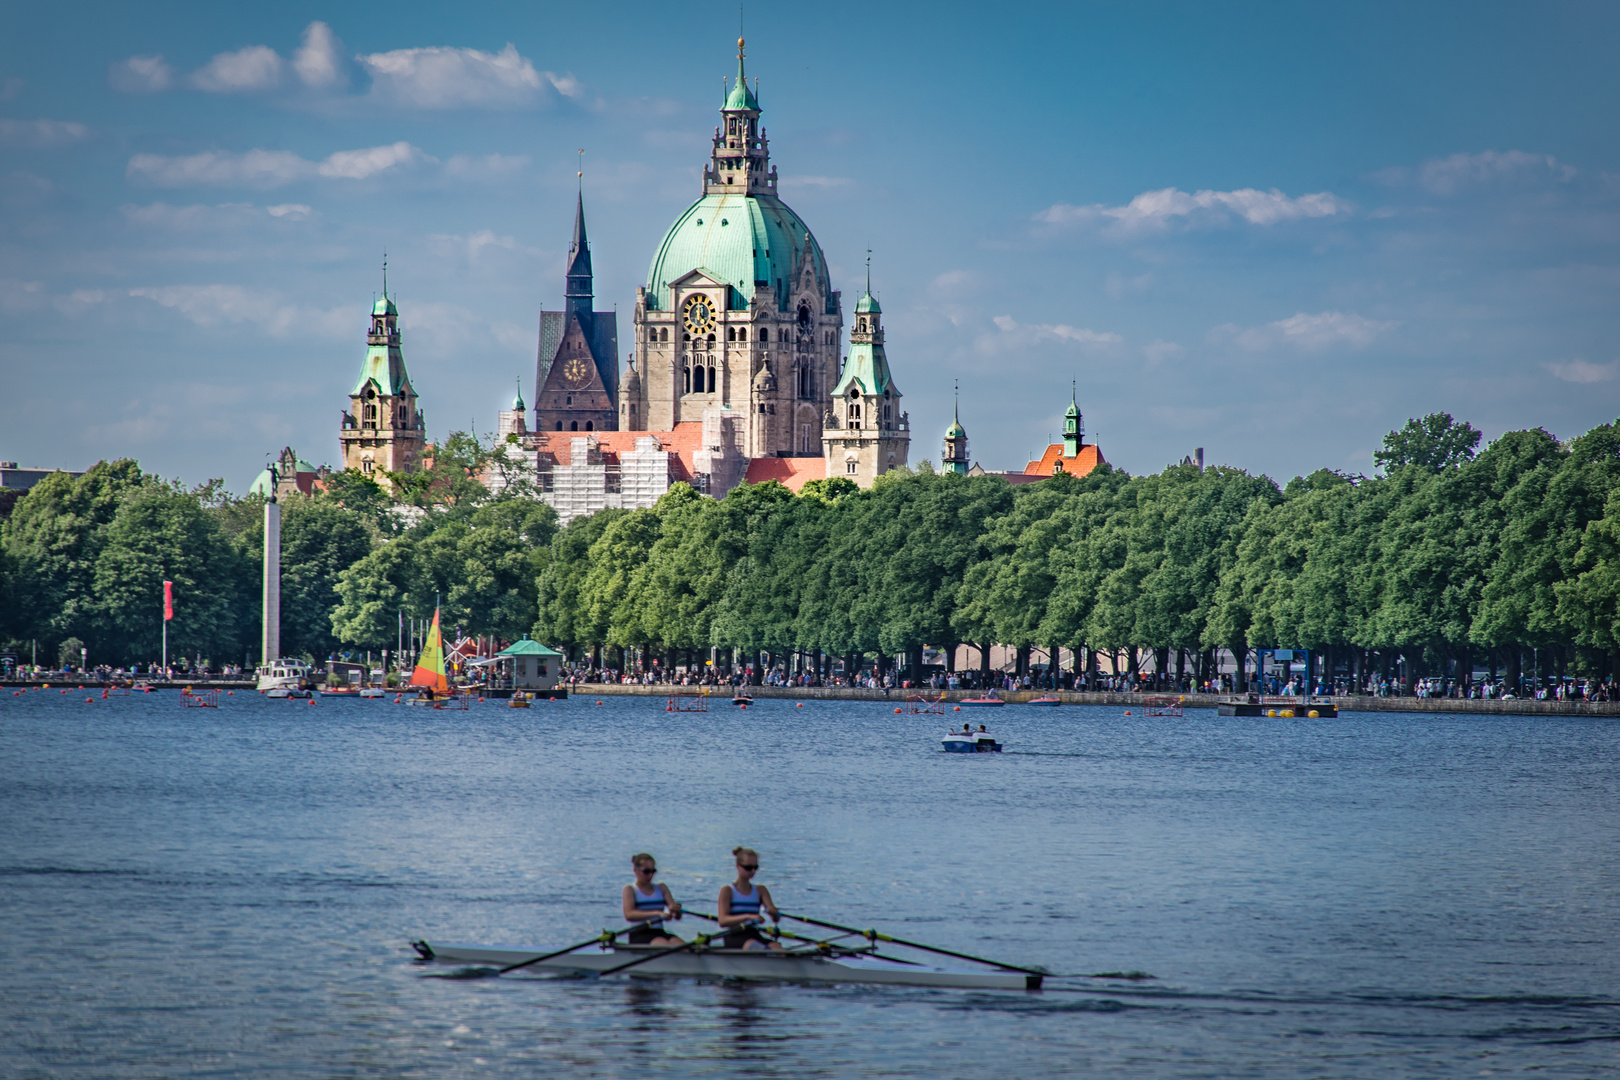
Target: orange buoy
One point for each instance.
(480, 700)
(897, 710)
(312, 701)
(551, 699)
(1127, 712)
(64, 691)
(800, 705)
(959, 708)
(87, 701)
(230, 693)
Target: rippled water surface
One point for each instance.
(230, 892)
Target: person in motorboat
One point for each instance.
(648, 903)
(744, 905)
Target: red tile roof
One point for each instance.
(1082, 463)
(683, 442)
(792, 472)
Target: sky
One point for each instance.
(1272, 230)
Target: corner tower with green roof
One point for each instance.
(738, 317)
(865, 434)
(383, 430)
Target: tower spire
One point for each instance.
(385, 275)
(578, 289)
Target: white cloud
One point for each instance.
(473, 245)
(1118, 286)
(269, 168)
(452, 78)
(41, 132)
(1303, 331)
(224, 215)
(1030, 334)
(1158, 351)
(140, 75)
(1158, 209)
(1454, 174)
(1582, 372)
(361, 164)
(215, 305)
(256, 67)
(484, 166)
(319, 61)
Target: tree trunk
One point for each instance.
(1515, 670)
(984, 664)
(950, 657)
(1240, 677)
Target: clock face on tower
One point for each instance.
(577, 372)
(699, 314)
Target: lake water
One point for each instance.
(231, 892)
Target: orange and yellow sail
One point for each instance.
(430, 666)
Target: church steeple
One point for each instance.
(1073, 428)
(955, 458)
(578, 296)
(740, 162)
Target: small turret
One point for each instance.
(1073, 426)
(955, 458)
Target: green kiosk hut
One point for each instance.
(529, 665)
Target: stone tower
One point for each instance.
(383, 430)
(576, 382)
(955, 458)
(738, 315)
(865, 434)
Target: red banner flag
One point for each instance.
(168, 600)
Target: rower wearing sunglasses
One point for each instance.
(744, 905)
(648, 904)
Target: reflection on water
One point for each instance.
(232, 894)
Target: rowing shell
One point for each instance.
(759, 965)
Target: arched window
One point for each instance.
(731, 333)
(573, 425)
(764, 335)
(559, 425)
(804, 315)
(742, 333)
(711, 341)
(686, 380)
(589, 426)
(849, 467)
(663, 335)
(711, 380)
(1057, 467)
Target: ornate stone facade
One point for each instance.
(738, 312)
(865, 433)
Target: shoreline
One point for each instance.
(1123, 700)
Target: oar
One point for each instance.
(606, 937)
(818, 942)
(696, 943)
(873, 935)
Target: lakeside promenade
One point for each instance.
(722, 694)
(1448, 706)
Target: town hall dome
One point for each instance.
(746, 241)
(739, 231)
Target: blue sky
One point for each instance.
(1272, 230)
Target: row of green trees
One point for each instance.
(1451, 555)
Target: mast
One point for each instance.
(270, 645)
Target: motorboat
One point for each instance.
(986, 701)
(1045, 699)
(966, 742)
(284, 674)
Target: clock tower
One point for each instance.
(577, 373)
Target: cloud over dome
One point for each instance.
(441, 77)
(1159, 209)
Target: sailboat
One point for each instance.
(429, 676)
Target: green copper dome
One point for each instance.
(867, 305)
(955, 431)
(742, 240)
(384, 306)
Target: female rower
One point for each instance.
(742, 902)
(648, 904)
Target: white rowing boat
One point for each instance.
(759, 965)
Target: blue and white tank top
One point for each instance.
(644, 902)
(744, 903)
